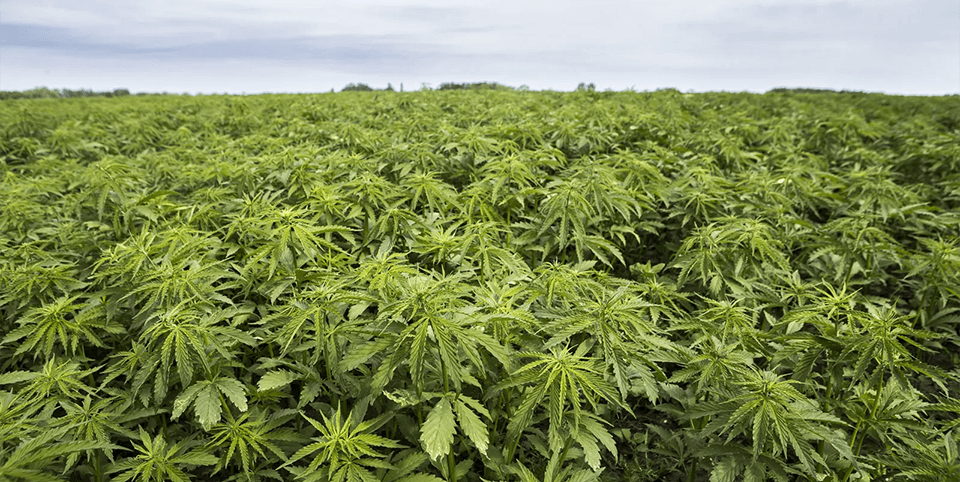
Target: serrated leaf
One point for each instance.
(276, 379)
(755, 472)
(234, 391)
(437, 431)
(17, 377)
(421, 478)
(357, 310)
(591, 451)
(184, 399)
(725, 471)
(472, 426)
(309, 393)
(18, 333)
(197, 458)
(207, 406)
(584, 475)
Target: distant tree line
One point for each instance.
(45, 93)
(807, 90)
(474, 86)
(361, 87)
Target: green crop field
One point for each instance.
(480, 285)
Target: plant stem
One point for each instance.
(692, 475)
(451, 467)
(821, 445)
(855, 444)
(97, 466)
(563, 457)
(451, 461)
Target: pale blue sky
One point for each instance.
(211, 46)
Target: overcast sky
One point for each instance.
(252, 46)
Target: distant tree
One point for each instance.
(36, 93)
(70, 93)
(473, 86)
(673, 90)
(358, 87)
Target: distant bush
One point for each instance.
(359, 87)
(473, 86)
(68, 93)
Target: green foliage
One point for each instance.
(344, 450)
(157, 461)
(473, 86)
(359, 87)
(477, 283)
(45, 93)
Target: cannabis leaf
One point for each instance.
(438, 429)
(343, 450)
(158, 461)
(208, 398)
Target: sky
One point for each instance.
(252, 46)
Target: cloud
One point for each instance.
(895, 46)
(343, 49)
(865, 25)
